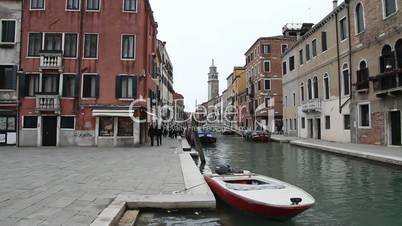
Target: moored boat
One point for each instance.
(206, 137)
(260, 136)
(261, 195)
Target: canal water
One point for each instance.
(348, 191)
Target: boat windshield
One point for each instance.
(246, 182)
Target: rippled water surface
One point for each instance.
(348, 191)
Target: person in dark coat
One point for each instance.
(159, 135)
(151, 134)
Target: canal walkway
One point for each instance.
(390, 155)
(71, 186)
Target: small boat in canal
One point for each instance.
(228, 132)
(206, 137)
(260, 136)
(258, 194)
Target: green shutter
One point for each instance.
(135, 81)
(97, 80)
(23, 85)
(118, 87)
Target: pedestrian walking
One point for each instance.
(151, 134)
(159, 135)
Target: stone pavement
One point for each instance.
(391, 155)
(71, 186)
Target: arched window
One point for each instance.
(398, 49)
(326, 87)
(360, 26)
(315, 87)
(302, 91)
(362, 76)
(346, 79)
(387, 59)
(310, 89)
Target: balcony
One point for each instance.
(388, 84)
(312, 106)
(48, 102)
(51, 60)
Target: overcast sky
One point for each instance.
(198, 30)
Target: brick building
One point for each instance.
(264, 76)
(80, 75)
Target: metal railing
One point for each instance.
(387, 81)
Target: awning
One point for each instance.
(113, 112)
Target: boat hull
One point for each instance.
(254, 207)
(207, 140)
(261, 138)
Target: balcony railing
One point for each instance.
(312, 106)
(388, 83)
(48, 102)
(51, 60)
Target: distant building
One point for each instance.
(10, 25)
(178, 105)
(213, 82)
(264, 76)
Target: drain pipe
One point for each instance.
(339, 62)
(81, 40)
(18, 75)
(347, 2)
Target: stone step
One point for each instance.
(129, 217)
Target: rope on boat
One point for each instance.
(187, 189)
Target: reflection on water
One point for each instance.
(348, 191)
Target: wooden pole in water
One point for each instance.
(198, 147)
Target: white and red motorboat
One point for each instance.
(260, 195)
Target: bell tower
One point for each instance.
(213, 82)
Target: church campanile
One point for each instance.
(213, 82)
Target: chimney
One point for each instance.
(335, 4)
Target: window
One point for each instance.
(7, 123)
(93, 5)
(387, 59)
(308, 52)
(302, 92)
(284, 68)
(30, 122)
(362, 76)
(91, 46)
(360, 27)
(8, 31)
(343, 26)
(389, 7)
(67, 122)
(398, 49)
(35, 44)
(301, 57)
(70, 45)
(315, 80)
(346, 122)
(106, 126)
(68, 85)
(50, 84)
(291, 63)
(310, 89)
(267, 84)
(327, 122)
(294, 99)
(266, 49)
(291, 124)
(73, 4)
(128, 47)
(8, 77)
(31, 85)
(268, 102)
(90, 86)
(286, 101)
(346, 80)
(130, 5)
(126, 87)
(125, 127)
(267, 66)
(324, 45)
(284, 47)
(37, 4)
(364, 115)
(53, 42)
(303, 123)
(314, 47)
(326, 87)
(295, 120)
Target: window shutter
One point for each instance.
(97, 78)
(10, 77)
(135, 81)
(64, 87)
(118, 87)
(23, 85)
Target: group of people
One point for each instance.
(157, 131)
